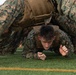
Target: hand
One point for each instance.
(63, 50)
(41, 56)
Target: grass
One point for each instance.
(52, 62)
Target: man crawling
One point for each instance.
(46, 37)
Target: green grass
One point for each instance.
(53, 61)
(32, 73)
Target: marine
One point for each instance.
(24, 13)
(34, 43)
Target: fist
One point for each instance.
(41, 56)
(63, 50)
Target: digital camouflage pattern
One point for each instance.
(31, 44)
(8, 13)
(23, 12)
(67, 18)
(10, 40)
(67, 8)
(12, 12)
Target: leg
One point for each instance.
(8, 13)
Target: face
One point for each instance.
(46, 43)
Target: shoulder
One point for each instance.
(36, 29)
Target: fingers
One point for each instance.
(63, 50)
(40, 53)
(41, 56)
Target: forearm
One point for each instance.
(29, 45)
(65, 41)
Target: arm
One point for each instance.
(66, 47)
(30, 50)
(63, 50)
(41, 56)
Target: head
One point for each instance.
(46, 36)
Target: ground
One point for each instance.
(54, 64)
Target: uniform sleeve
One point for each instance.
(8, 13)
(29, 45)
(64, 39)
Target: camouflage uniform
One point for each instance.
(33, 45)
(23, 13)
(8, 13)
(11, 13)
(10, 40)
(16, 14)
(67, 17)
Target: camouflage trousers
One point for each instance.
(67, 18)
(68, 26)
(8, 13)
